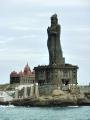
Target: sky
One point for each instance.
(23, 34)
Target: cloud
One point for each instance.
(5, 39)
(77, 28)
(25, 28)
(21, 28)
(2, 42)
(47, 2)
(2, 49)
(21, 54)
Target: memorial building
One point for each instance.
(24, 77)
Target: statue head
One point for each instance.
(54, 20)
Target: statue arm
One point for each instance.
(51, 31)
(54, 30)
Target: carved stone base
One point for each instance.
(56, 74)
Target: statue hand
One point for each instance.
(48, 29)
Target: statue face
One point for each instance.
(53, 21)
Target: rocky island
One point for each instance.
(49, 85)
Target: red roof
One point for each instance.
(14, 74)
(27, 72)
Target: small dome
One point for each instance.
(27, 70)
(13, 74)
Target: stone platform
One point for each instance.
(56, 74)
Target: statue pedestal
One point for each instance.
(56, 74)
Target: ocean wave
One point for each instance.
(6, 106)
(73, 106)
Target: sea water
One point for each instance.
(45, 113)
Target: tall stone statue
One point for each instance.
(53, 43)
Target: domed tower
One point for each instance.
(23, 77)
(27, 76)
(27, 70)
